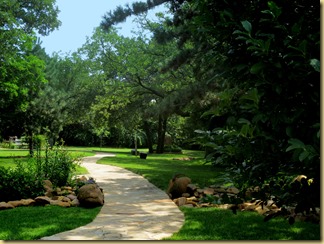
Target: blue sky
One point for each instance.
(79, 18)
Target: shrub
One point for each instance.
(25, 180)
(39, 141)
(18, 183)
(172, 148)
(5, 144)
(57, 165)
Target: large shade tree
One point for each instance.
(135, 84)
(263, 57)
(21, 71)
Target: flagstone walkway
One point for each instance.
(134, 208)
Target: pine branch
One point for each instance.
(120, 14)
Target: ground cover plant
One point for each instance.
(220, 224)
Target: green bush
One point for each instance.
(57, 165)
(169, 148)
(18, 183)
(39, 141)
(172, 148)
(5, 144)
(26, 179)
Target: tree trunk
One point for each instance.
(30, 143)
(161, 134)
(148, 132)
(135, 140)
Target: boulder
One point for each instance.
(61, 203)
(61, 198)
(22, 202)
(180, 201)
(193, 199)
(232, 190)
(43, 200)
(48, 187)
(67, 188)
(178, 186)
(192, 187)
(208, 191)
(71, 197)
(90, 195)
(75, 203)
(185, 194)
(220, 189)
(4, 205)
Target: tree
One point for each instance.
(21, 72)
(130, 70)
(263, 59)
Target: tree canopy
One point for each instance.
(262, 59)
(239, 79)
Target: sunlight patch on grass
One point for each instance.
(31, 223)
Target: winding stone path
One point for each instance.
(134, 209)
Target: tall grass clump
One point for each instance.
(25, 180)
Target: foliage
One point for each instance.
(25, 179)
(18, 183)
(172, 148)
(57, 165)
(269, 57)
(300, 192)
(77, 183)
(209, 223)
(21, 71)
(135, 94)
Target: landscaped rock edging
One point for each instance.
(213, 195)
(92, 196)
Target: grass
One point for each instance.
(224, 225)
(209, 223)
(32, 223)
(160, 168)
(9, 157)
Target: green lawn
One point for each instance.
(219, 224)
(9, 157)
(209, 223)
(160, 168)
(32, 223)
(200, 223)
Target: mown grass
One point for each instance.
(160, 168)
(220, 224)
(10, 157)
(209, 223)
(32, 223)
